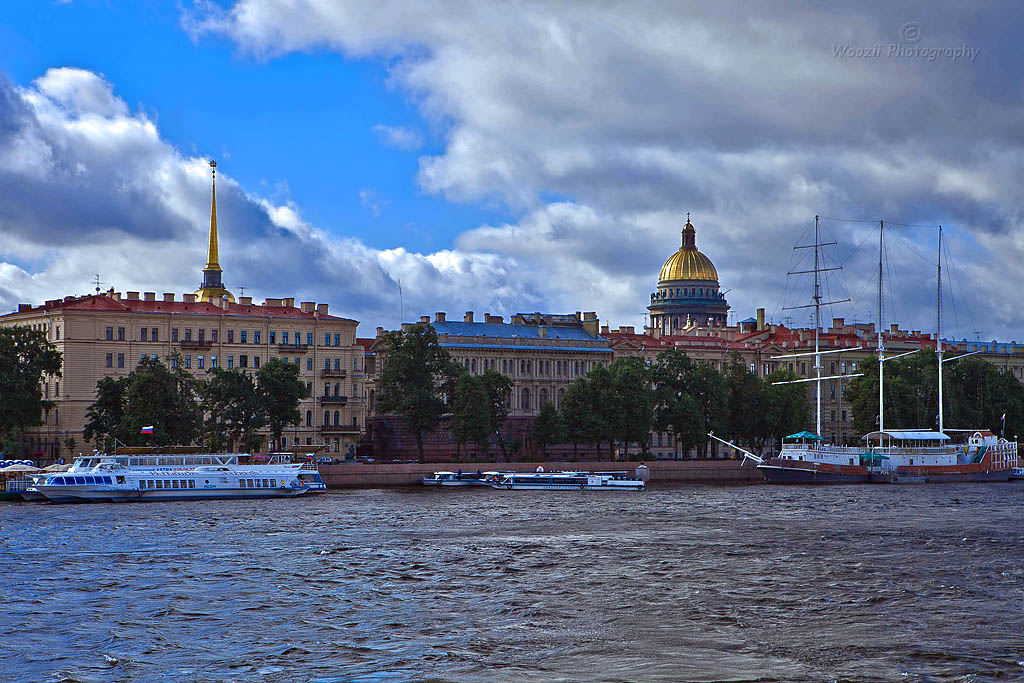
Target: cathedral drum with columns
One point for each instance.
(688, 294)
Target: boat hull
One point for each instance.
(124, 495)
(781, 474)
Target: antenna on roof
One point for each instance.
(98, 283)
(241, 290)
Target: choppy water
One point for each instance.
(914, 583)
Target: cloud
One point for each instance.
(602, 124)
(399, 137)
(88, 186)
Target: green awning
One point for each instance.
(805, 435)
(868, 456)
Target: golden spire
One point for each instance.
(212, 257)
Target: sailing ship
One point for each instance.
(900, 455)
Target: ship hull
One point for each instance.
(780, 474)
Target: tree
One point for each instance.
(786, 405)
(746, 418)
(579, 414)
(633, 398)
(70, 443)
(106, 414)
(498, 387)
(234, 409)
(25, 358)
(163, 398)
(414, 364)
(691, 399)
(280, 390)
(471, 415)
(547, 427)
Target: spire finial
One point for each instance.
(213, 257)
(687, 216)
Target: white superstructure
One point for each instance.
(567, 481)
(175, 477)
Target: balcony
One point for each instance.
(293, 348)
(333, 373)
(333, 398)
(339, 429)
(195, 343)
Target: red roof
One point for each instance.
(365, 343)
(102, 302)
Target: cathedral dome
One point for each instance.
(688, 263)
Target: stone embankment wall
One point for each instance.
(373, 475)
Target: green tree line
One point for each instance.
(614, 405)
(976, 394)
(227, 405)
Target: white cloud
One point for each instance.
(400, 137)
(631, 114)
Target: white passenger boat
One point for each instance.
(567, 481)
(176, 477)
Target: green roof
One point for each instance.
(805, 435)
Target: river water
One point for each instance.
(755, 583)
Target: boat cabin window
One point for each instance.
(266, 484)
(79, 480)
(273, 483)
(159, 483)
(191, 483)
(241, 483)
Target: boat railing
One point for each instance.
(18, 485)
(922, 450)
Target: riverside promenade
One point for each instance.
(375, 475)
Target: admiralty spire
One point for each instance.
(212, 289)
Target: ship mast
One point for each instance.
(938, 325)
(881, 345)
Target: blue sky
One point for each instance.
(503, 158)
(299, 126)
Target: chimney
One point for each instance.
(468, 317)
(149, 296)
(68, 299)
(24, 307)
(590, 315)
(425, 319)
(307, 306)
(591, 324)
(288, 302)
(894, 328)
(626, 329)
(604, 329)
(132, 296)
(272, 302)
(542, 332)
(245, 300)
(321, 309)
(380, 331)
(169, 297)
(116, 296)
(439, 317)
(760, 319)
(189, 298)
(488, 318)
(406, 327)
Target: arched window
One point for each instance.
(543, 396)
(309, 418)
(524, 400)
(337, 418)
(327, 418)
(373, 396)
(337, 364)
(561, 395)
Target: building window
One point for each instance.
(155, 334)
(337, 418)
(273, 336)
(231, 336)
(337, 340)
(327, 363)
(110, 360)
(188, 362)
(309, 388)
(337, 388)
(524, 400)
(309, 338)
(327, 418)
(337, 364)
(120, 360)
(213, 336)
(243, 361)
(298, 362)
(309, 363)
(188, 334)
(256, 362)
(200, 362)
(327, 388)
(241, 336)
(256, 337)
(309, 418)
(202, 335)
(337, 445)
(284, 337)
(144, 332)
(231, 362)
(327, 338)
(174, 362)
(120, 334)
(213, 361)
(142, 357)
(174, 334)
(110, 333)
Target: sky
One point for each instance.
(397, 159)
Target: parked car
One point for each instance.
(324, 460)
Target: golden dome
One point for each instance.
(688, 263)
